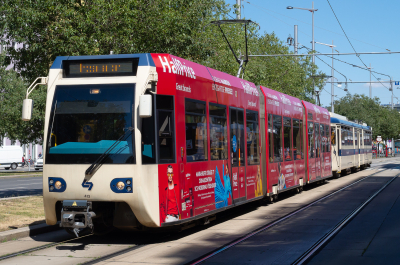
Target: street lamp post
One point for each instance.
(312, 10)
(333, 75)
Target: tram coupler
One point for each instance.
(77, 215)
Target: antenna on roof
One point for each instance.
(242, 59)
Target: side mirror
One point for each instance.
(145, 106)
(27, 107)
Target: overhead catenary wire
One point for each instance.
(263, 9)
(337, 19)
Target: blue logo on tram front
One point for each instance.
(234, 143)
(87, 184)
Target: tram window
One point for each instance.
(234, 137)
(297, 140)
(165, 128)
(196, 130)
(333, 136)
(322, 138)
(311, 140)
(252, 138)
(343, 136)
(310, 116)
(270, 139)
(241, 137)
(301, 140)
(148, 139)
(328, 146)
(287, 139)
(277, 136)
(218, 132)
(317, 140)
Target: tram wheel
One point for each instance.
(276, 197)
(271, 199)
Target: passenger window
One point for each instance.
(297, 140)
(322, 138)
(287, 138)
(317, 140)
(311, 140)
(270, 139)
(196, 130)
(277, 136)
(218, 132)
(165, 128)
(252, 138)
(237, 137)
(333, 136)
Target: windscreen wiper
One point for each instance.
(99, 161)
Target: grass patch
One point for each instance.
(17, 213)
(21, 175)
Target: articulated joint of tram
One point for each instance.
(77, 215)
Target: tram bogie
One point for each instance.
(153, 140)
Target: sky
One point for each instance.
(370, 25)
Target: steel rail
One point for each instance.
(26, 251)
(321, 243)
(280, 220)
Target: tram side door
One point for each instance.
(317, 138)
(359, 147)
(238, 180)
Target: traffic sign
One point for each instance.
(396, 83)
(379, 138)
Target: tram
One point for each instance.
(351, 145)
(154, 140)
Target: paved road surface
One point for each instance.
(11, 187)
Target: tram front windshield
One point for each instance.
(86, 120)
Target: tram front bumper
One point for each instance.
(77, 214)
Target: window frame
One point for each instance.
(226, 132)
(206, 133)
(156, 120)
(257, 122)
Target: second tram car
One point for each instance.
(154, 140)
(351, 145)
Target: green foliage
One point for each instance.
(181, 27)
(12, 92)
(384, 122)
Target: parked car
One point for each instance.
(39, 164)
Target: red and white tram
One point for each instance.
(152, 140)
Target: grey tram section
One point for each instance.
(279, 246)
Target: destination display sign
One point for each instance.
(101, 68)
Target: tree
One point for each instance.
(12, 92)
(181, 27)
(384, 122)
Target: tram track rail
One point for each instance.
(303, 259)
(31, 250)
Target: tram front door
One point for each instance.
(238, 179)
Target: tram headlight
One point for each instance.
(128, 188)
(120, 185)
(58, 185)
(128, 182)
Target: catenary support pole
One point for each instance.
(295, 39)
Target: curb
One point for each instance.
(27, 231)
